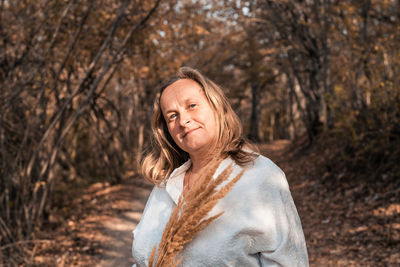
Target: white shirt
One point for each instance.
(259, 227)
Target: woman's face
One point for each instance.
(190, 119)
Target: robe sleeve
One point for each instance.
(279, 239)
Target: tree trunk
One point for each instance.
(292, 124)
(254, 118)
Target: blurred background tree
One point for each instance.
(78, 79)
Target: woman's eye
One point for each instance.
(172, 116)
(192, 105)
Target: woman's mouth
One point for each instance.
(188, 132)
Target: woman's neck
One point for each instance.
(198, 163)
(201, 160)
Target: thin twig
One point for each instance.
(24, 242)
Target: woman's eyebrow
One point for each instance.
(185, 101)
(191, 100)
(169, 111)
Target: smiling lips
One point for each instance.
(188, 132)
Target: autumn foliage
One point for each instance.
(78, 78)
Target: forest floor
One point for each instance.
(345, 223)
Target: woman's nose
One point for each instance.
(185, 119)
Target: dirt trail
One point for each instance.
(118, 230)
(115, 232)
(360, 232)
(99, 231)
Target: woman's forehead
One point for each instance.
(183, 84)
(180, 91)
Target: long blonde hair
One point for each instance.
(165, 155)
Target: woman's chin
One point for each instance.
(198, 149)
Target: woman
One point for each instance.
(194, 124)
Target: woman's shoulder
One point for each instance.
(265, 170)
(157, 195)
(264, 164)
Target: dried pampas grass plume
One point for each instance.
(189, 216)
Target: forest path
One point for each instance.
(344, 225)
(117, 231)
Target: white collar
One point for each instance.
(174, 184)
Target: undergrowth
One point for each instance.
(364, 146)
